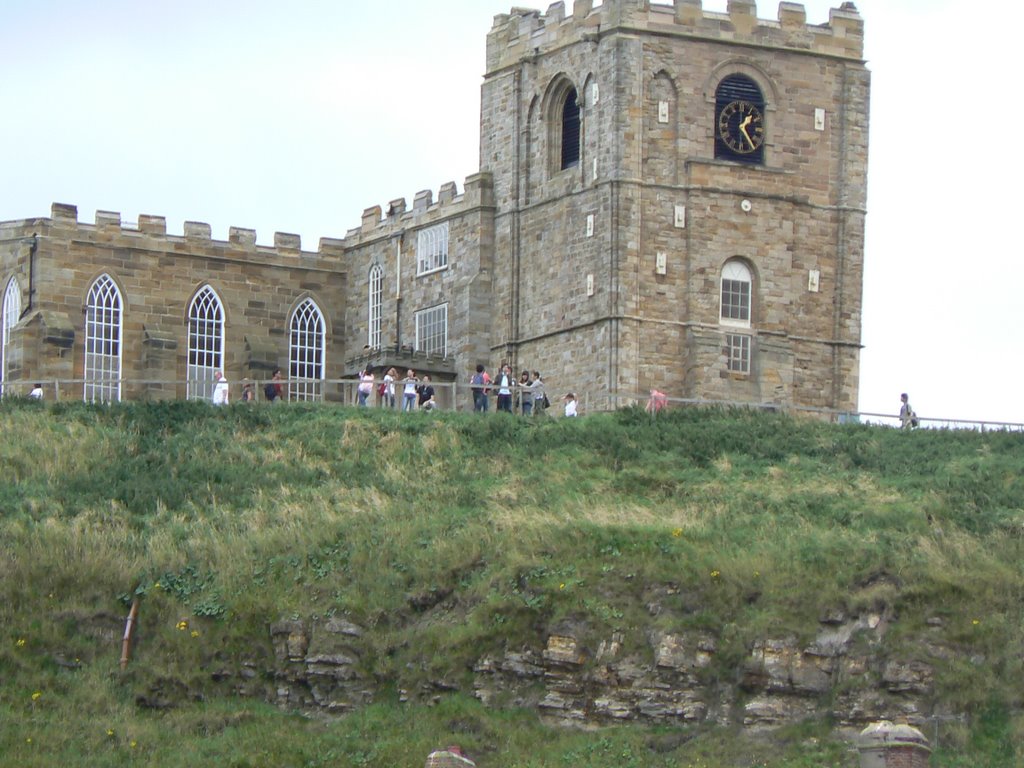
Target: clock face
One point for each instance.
(741, 127)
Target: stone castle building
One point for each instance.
(667, 197)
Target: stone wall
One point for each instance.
(158, 275)
(605, 276)
(389, 240)
(629, 244)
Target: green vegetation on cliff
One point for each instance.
(448, 538)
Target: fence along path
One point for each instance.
(453, 395)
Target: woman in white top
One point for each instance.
(570, 405)
(409, 393)
(389, 388)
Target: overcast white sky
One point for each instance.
(296, 116)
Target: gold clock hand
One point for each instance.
(743, 130)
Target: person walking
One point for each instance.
(274, 389)
(908, 419)
(365, 385)
(221, 390)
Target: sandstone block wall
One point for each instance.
(605, 276)
(157, 276)
(604, 243)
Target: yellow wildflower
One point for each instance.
(195, 633)
(21, 642)
(37, 695)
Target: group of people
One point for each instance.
(417, 391)
(272, 392)
(525, 395)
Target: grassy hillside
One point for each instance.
(225, 520)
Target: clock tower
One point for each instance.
(680, 199)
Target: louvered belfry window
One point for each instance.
(570, 131)
(731, 89)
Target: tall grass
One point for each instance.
(450, 535)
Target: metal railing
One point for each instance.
(454, 395)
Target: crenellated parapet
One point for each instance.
(151, 232)
(378, 222)
(525, 33)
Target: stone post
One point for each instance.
(893, 745)
(449, 757)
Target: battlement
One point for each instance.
(524, 33)
(110, 225)
(377, 222)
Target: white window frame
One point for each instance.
(735, 306)
(307, 347)
(11, 315)
(104, 329)
(432, 330)
(737, 346)
(375, 301)
(432, 249)
(205, 342)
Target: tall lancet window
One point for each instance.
(205, 343)
(103, 342)
(376, 300)
(306, 352)
(12, 311)
(570, 130)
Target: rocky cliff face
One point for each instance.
(846, 672)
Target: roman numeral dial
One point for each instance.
(741, 127)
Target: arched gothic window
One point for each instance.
(570, 130)
(375, 301)
(205, 343)
(306, 352)
(103, 342)
(12, 312)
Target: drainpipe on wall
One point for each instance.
(398, 290)
(31, 273)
